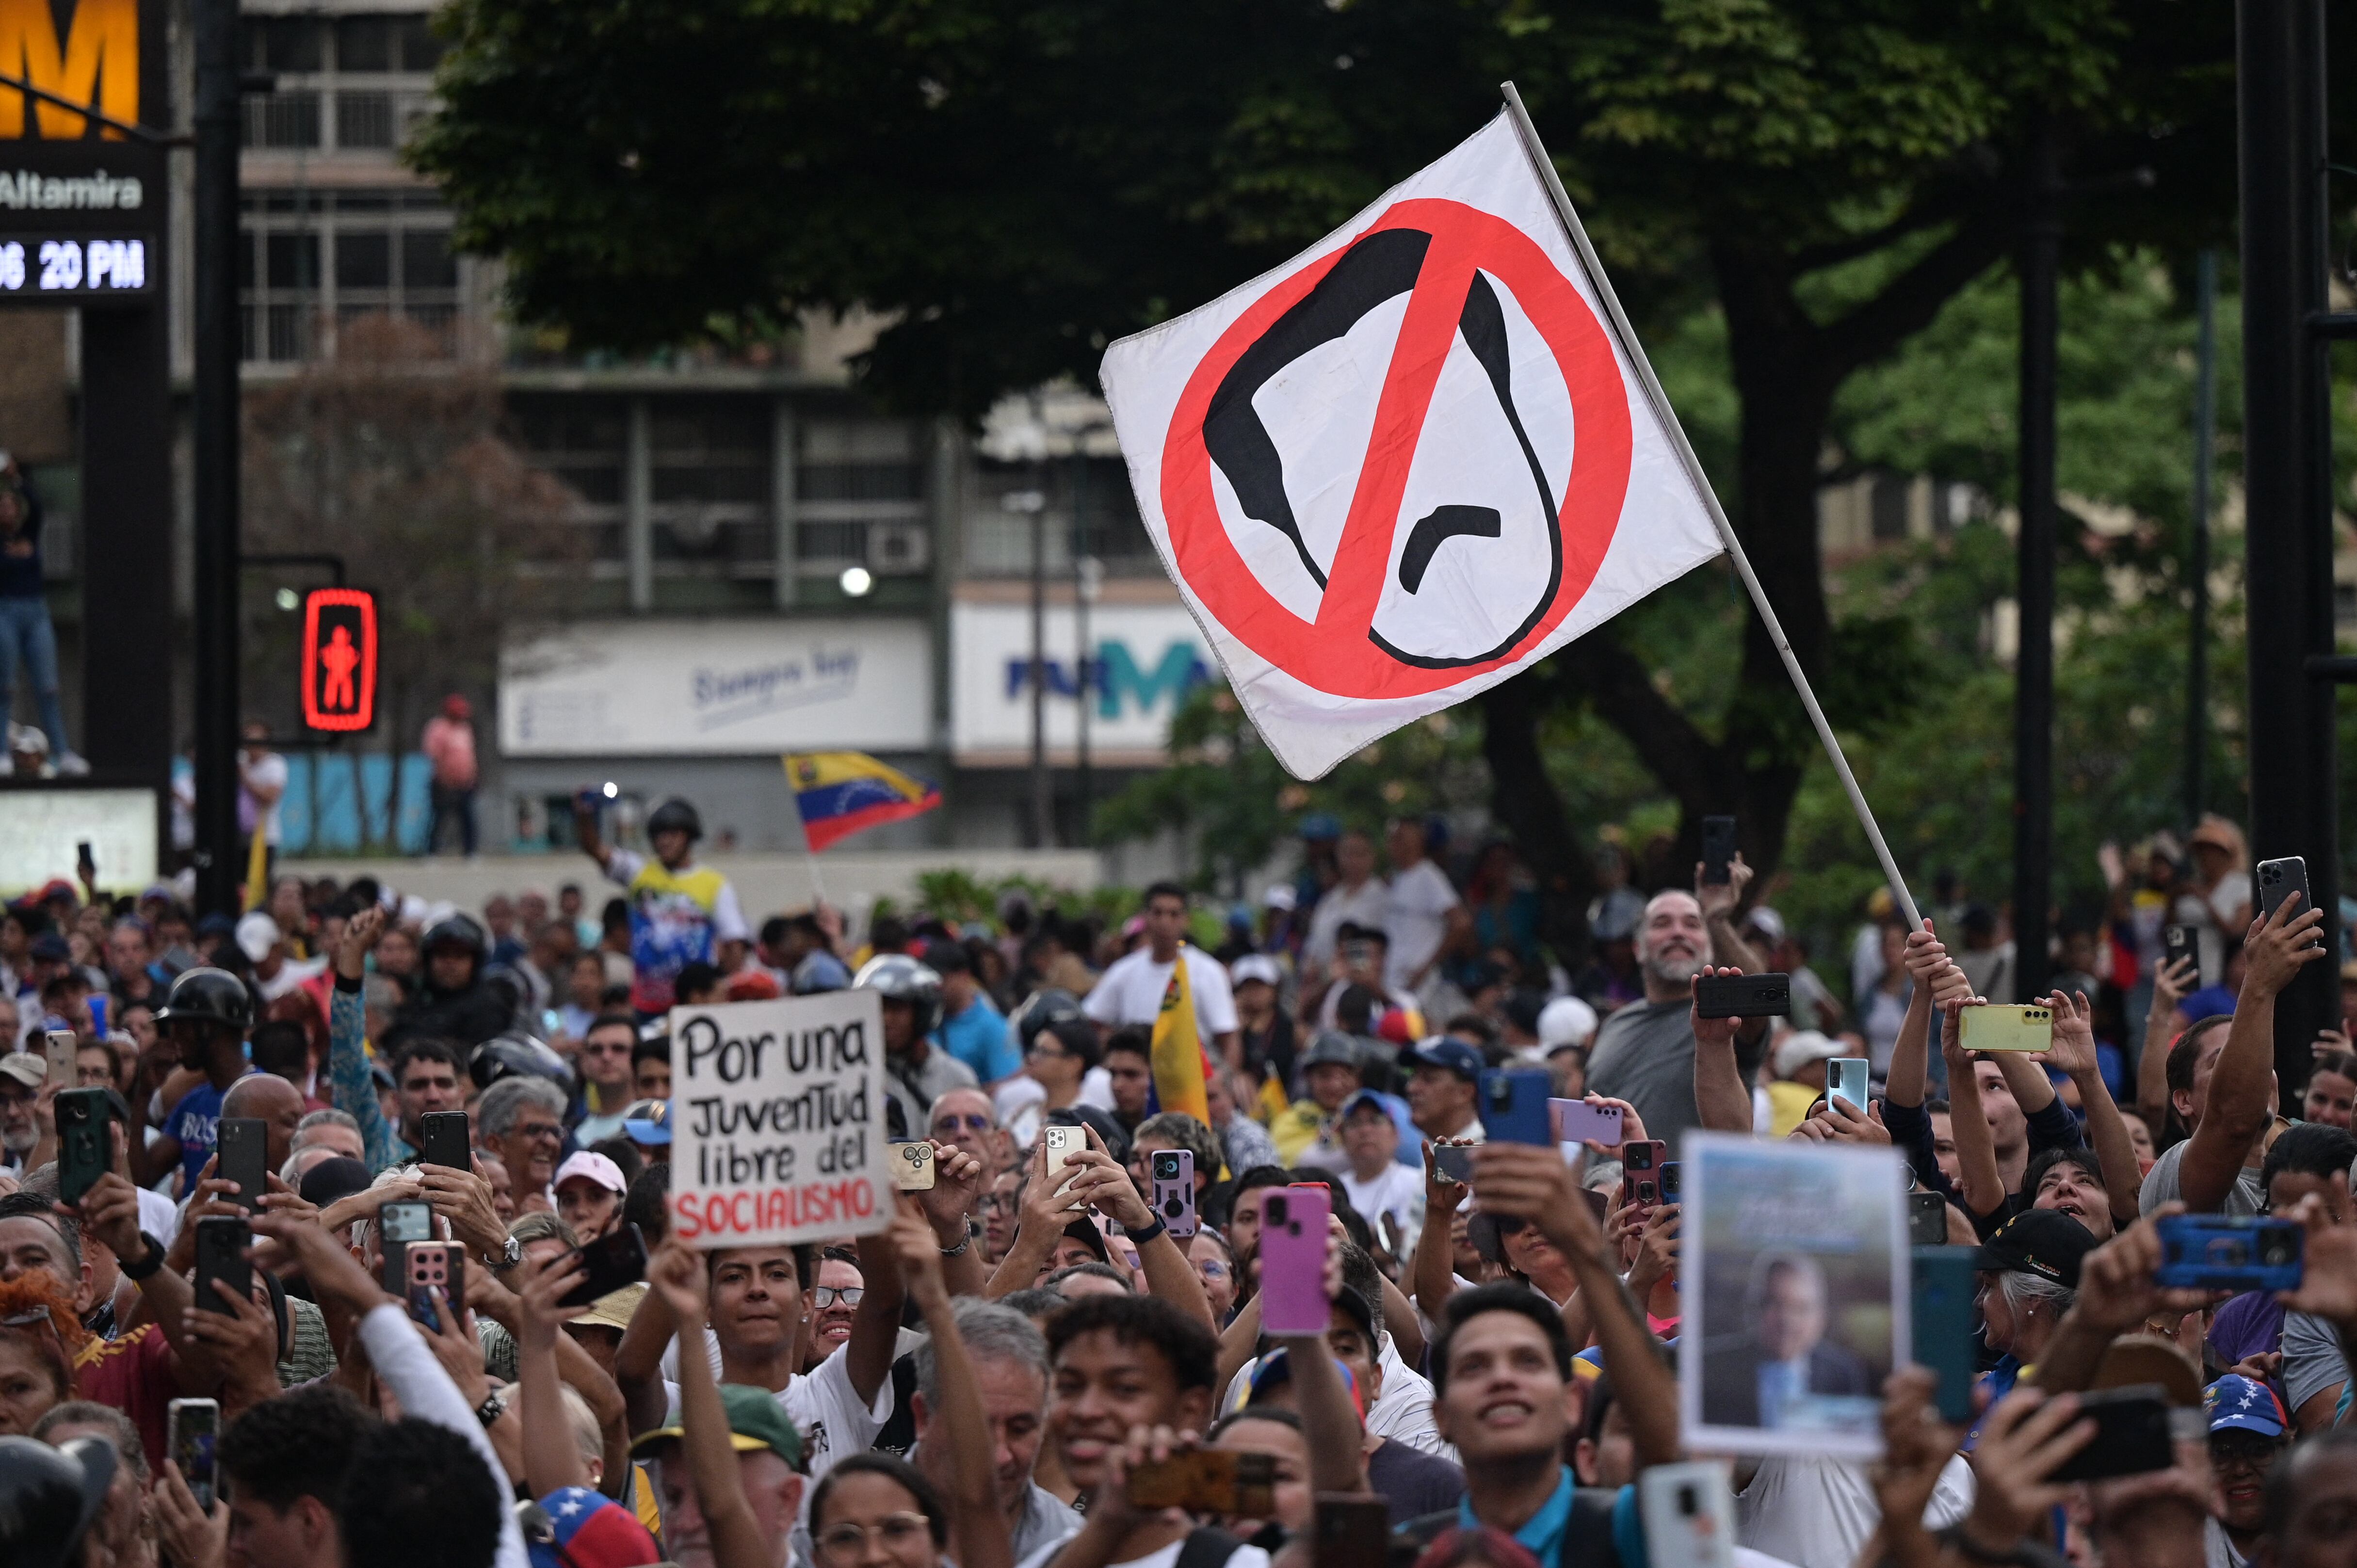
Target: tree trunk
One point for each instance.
(1532, 813)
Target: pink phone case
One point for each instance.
(1293, 1261)
(1174, 1200)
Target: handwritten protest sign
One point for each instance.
(778, 1121)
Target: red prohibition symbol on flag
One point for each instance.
(1468, 278)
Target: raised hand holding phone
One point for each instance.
(2280, 946)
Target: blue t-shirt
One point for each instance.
(977, 1037)
(196, 1122)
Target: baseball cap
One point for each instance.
(612, 1310)
(1446, 1053)
(26, 1068)
(1330, 1047)
(2042, 1242)
(331, 1179)
(1768, 923)
(51, 948)
(750, 984)
(1565, 1021)
(596, 1167)
(647, 1121)
(1276, 1367)
(580, 1529)
(1358, 1098)
(257, 933)
(1254, 966)
(1801, 1048)
(1280, 895)
(2235, 1401)
(755, 1421)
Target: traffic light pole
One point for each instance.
(2287, 476)
(217, 346)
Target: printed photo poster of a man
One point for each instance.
(1796, 1299)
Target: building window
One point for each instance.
(709, 487)
(859, 487)
(352, 84)
(314, 257)
(579, 441)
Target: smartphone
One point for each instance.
(85, 861)
(1647, 1155)
(1718, 850)
(1062, 1143)
(1206, 1480)
(1578, 1121)
(1348, 1531)
(912, 1165)
(1173, 1191)
(190, 1427)
(1456, 1162)
(1513, 1106)
(2132, 1435)
(613, 1260)
(428, 1267)
(1945, 1321)
(1689, 1515)
(2211, 1251)
(2279, 880)
(1293, 1260)
(85, 1148)
(1927, 1219)
(2004, 1026)
(399, 1224)
(1599, 1204)
(1845, 1079)
(2180, 944)
(222, 1267)
(1743, 995)
(1670, 1180)
(59, 1046)
(445, 1140)
(241, 1155)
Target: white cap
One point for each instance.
(1767, 922)
(1255, 966)
(1566, 1021)
(257, 933)
(596, 1167)
(1280, 895)
(1801, 1048)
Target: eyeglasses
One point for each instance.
(1211, 1271)
(961, 1124)
(824, 1296)
(549, 1129)
(841, 1543)
(2254, 1449)
(1050, 1051)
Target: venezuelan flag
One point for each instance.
(840, 793)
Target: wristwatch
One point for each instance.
(507, 1259)
(494, 1405)
(143, 1267)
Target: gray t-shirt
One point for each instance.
(2160, 1186)
(1645, 1055)
(2313, 1362)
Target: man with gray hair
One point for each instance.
(1010, 1362)
(521, 1121)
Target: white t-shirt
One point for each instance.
(1818, 1512)
(269, 772)
(825, 1409)
(1403, 1414)
(1398, 1191)
(1245, 1557)
(1337, 908)
(293, 975)
(1415, 919)
(1131, 992)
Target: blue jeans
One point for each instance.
(25, 630)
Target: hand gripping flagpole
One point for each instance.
(1662, 410)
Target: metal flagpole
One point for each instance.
(1661, 411)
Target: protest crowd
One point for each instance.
(1052, 1355)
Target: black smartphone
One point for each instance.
(445, 1140)
(2279, 880)
(2179, 944)
(613, 1262)
(399, 1224)
(2131, 1435)
(1718, 850)
(241, 1155)
(1348, 1531)
(1927, 1219)
(222, 1267)
(85, 1148)
(1743, 995)
(85, 861)
(1669, 1175)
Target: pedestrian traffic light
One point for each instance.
(338, 660)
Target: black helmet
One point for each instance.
(675, 813)
(900, 978)
(49, 1497)
(1040, 1009)
(208, 996)
(515, 1054)
(456, 931)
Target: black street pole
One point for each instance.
(2196, 565)
(2033, 700)
(215, 597)
(2286, 476)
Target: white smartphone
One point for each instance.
(1689, 1515)
(1062, 1143)
(1578, 1121)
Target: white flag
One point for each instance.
(1405, 464)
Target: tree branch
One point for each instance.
(1617, 682)
(1915, 296)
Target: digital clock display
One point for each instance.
(78, 267)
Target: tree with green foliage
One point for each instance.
(1013, 183)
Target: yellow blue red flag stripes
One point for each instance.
(840, 793)
(1177, 1050)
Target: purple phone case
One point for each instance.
(1174, 1201)
(1577, 1122)
(1293, 1263)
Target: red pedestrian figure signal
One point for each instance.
(340, 660)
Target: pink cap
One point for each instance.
(597, 1167)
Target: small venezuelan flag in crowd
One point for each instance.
(843, 792)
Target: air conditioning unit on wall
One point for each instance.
(898, 549)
